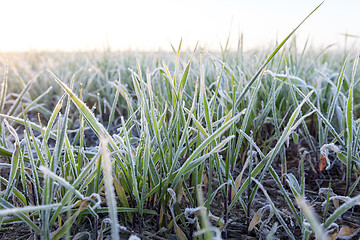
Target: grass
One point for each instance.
(177, 145)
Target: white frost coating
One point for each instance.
(253, 153)
(134, 237)
(61, 181)
(109, 188)
(17, 210)
(189, 211)
(324, 150)
(332, 227)
(12, 131)
(121, 227)
(173, 196)
(214, 229)
(287, 79)
(97, 203)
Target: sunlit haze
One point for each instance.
(153, 25)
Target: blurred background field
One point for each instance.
(225, 138)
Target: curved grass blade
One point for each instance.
(267, 160)
(290, 127)
(277, 214)
(202, 146)
(79, 180)
(339, 211)
(10, 210)
(15, 159)
(90, 118)
(247, 87)
(70, 221)
(20, 212)
(5, 152)
(32, 124)
(331, 110)
(325, 120)
(61, 180)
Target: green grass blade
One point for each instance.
(53, 117)
(339, 211)
(113, 108)
(4, 87)
(202, 146)
(32, 124)
(349, 128)
(96, 126)
(18, 99)
(15, 159)
(250, 83)
(310, 216)
(20, 212)
(334, 100)
(33, 103)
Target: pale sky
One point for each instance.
(151, 25)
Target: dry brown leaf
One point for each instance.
(179, 233)
(219, 220)
(346, 232)
(120, 193)
(205, 178)
(84, 205)
(238, 179)
(182, 195)
(333, 236)
(336, 203)
(322, 163)
(255, 220)
(161, 216)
